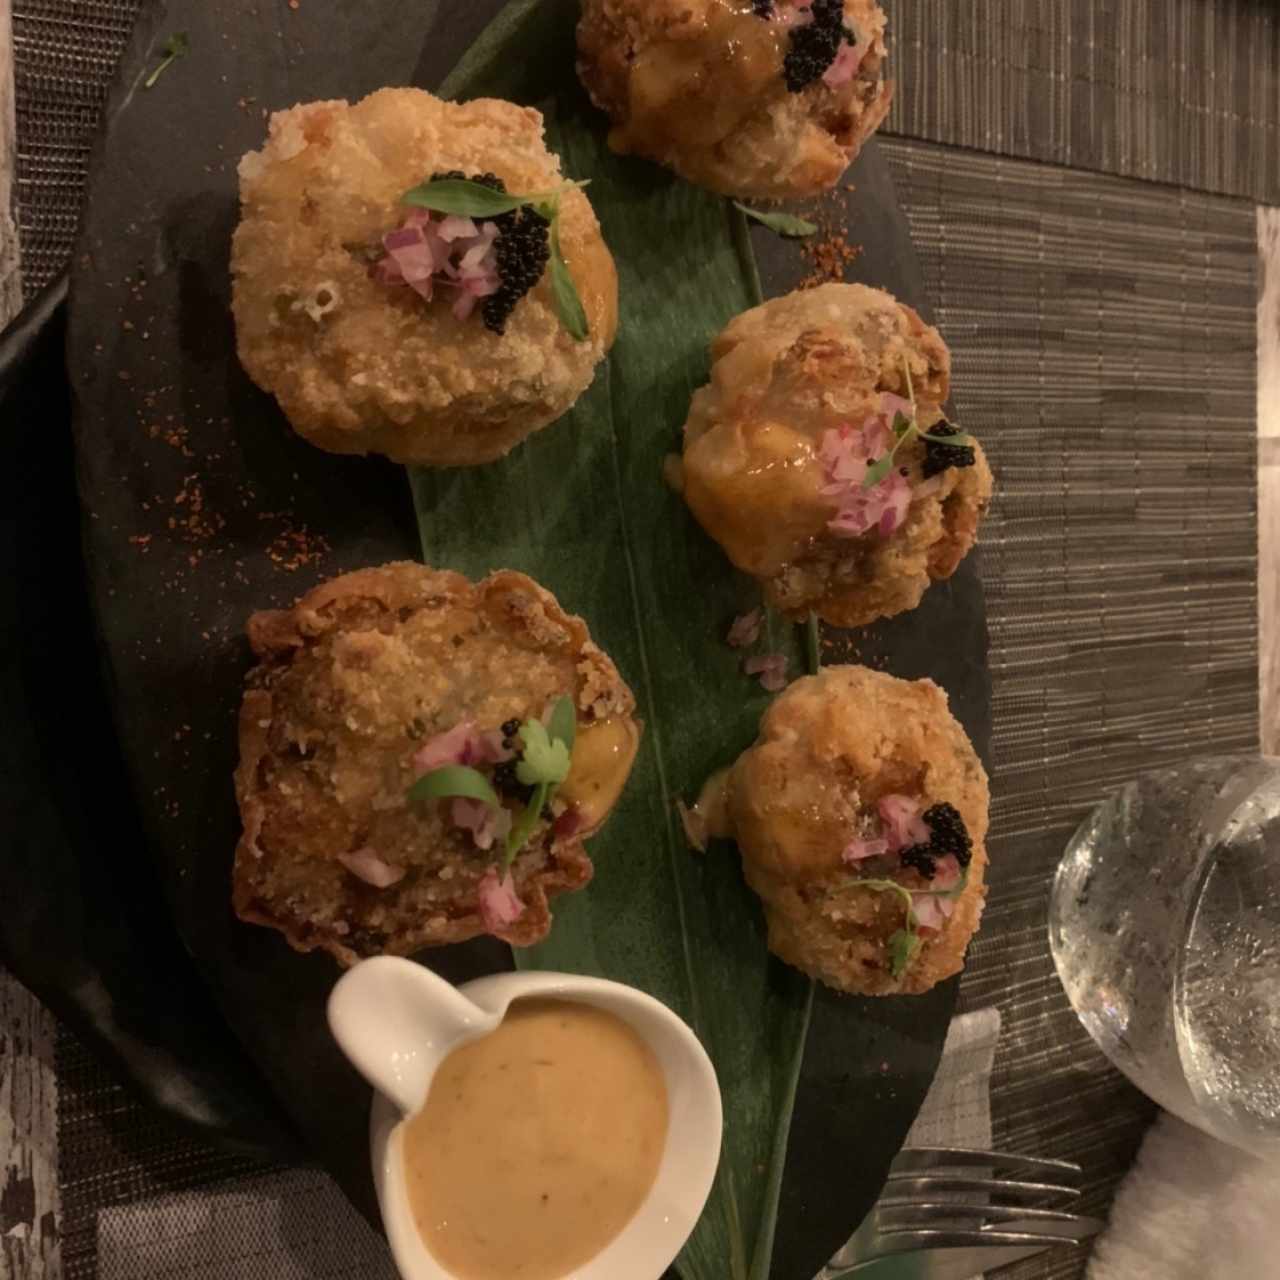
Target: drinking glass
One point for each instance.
(1165, 927)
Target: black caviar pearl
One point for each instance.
(949, 834)
(522, 249)
(920, 856)
(813, 47)
(507, 783)
(938, 457)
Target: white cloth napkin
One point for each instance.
(957, 1108)
(1192, 1208)
(297, 1225)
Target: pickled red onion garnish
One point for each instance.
(848, 59)
(365, 865)
(745, 630)
(931, 910)
(771, 668)
(903, 825)
(857, 850)
(424, 252)
(947, 873)
(499, 903)
(567, 824)
(891, 405)
(463, 744)
(485, 823)
(845, 454)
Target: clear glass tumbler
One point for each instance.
(1165, 928)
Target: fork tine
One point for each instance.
(943, 1238)
(905, 1185)
(903, 1211)
(915, 1159)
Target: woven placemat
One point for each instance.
(1102, 332)
(1177, 91)
(1102, 339)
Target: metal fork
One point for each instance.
(946, 1214)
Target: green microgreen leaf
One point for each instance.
(960, 438)
(568, 304)
(545, 760)
(176, 46)
(888, 886)
(562, 724)
(954, 892)
(879, 469)
(523, 826)
(466, 198)
(455, 780)
(784, 224)
(462, 198)
(903, 946)
(904, 429)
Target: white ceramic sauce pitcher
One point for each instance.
(397, 1021)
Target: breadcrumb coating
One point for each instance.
(829, 749)
(362, 367)
(782, 375)
(350, 682)
(701, 87)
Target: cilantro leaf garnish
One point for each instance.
(465, 198)
(783, 224)
(563, 722)
(545, 759)
(543, 765)
(176, 46)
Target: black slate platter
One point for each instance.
(195, 496)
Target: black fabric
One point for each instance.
(83, 924)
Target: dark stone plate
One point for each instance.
(200, 507)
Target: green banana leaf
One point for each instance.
(582, 508)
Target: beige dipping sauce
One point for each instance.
(537, 1143)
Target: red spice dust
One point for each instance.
(828, 253)
(293, 548)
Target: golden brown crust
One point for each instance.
(829, 749)
(698, 85)
(783, 374)
(376, 369)
(350, 681)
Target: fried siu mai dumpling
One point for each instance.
(388, 679)
(860, 814)
(751, 98)
(384, 326)
(809, 395)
